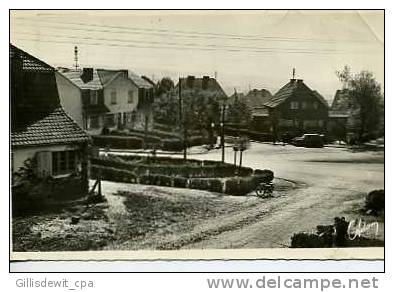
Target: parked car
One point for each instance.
(309, 140)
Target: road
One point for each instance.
(333, 183)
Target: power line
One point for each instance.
(74, 37)
(170, 47)
(193, 34)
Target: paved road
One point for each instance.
(334, 183)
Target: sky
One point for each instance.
(246, 49)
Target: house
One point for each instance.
(202, 100)
(102, 98)
(295, 109)
(344, 116)
(44, 139)
(255, 100)
(206, 86)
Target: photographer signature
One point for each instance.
(358, 227)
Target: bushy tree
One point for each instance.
(366, 92)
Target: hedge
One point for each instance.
(156, 179)
(213, 184)
(112, 174)
(199, 175)
(189, 171)
(240, 186)
(122, 142)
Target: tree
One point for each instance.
(239, 113)
(366, 92)
(164, 85)
(166, 103)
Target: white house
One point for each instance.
(101, 98)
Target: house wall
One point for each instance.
(311, 114)
(121, 85)
(70, 99)
(61, 187)
(20, 155)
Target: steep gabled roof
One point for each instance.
(257, 98)
(140, 82)
(211, 85)
(74, 75)
(290, 89)
(321, 98)
(29, 62)
(55, 128)
(102, 78)
(37, 117)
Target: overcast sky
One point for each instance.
(247, 49)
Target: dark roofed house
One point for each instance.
(344, 116)
(43, 136)
(295, 109)
(206, 85)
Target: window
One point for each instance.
(93, 97)
(93, 122)
(130, 97)
(304, 104)
(315, 105)
(109, 120)
(113, 97)
(64, 162)
(294, 105)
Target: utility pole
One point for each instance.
(182, 127)
(222, 131)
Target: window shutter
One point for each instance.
(44, 163)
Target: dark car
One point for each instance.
(309, 140)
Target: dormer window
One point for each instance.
(93, 97)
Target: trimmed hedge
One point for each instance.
(156, 179)
(240, 186)
(213, 184)
(188, 171)
(112, 174)
(117, 142)
(202, 175)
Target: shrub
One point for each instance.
(375, 200)
(306, 240)
(240, 186)
(213, 185)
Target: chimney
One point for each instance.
(190, 81)
(300, 80)
(205, 82)
(125, 73)
(87, 75)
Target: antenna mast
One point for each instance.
(76, 57)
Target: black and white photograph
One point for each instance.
(219, 132)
